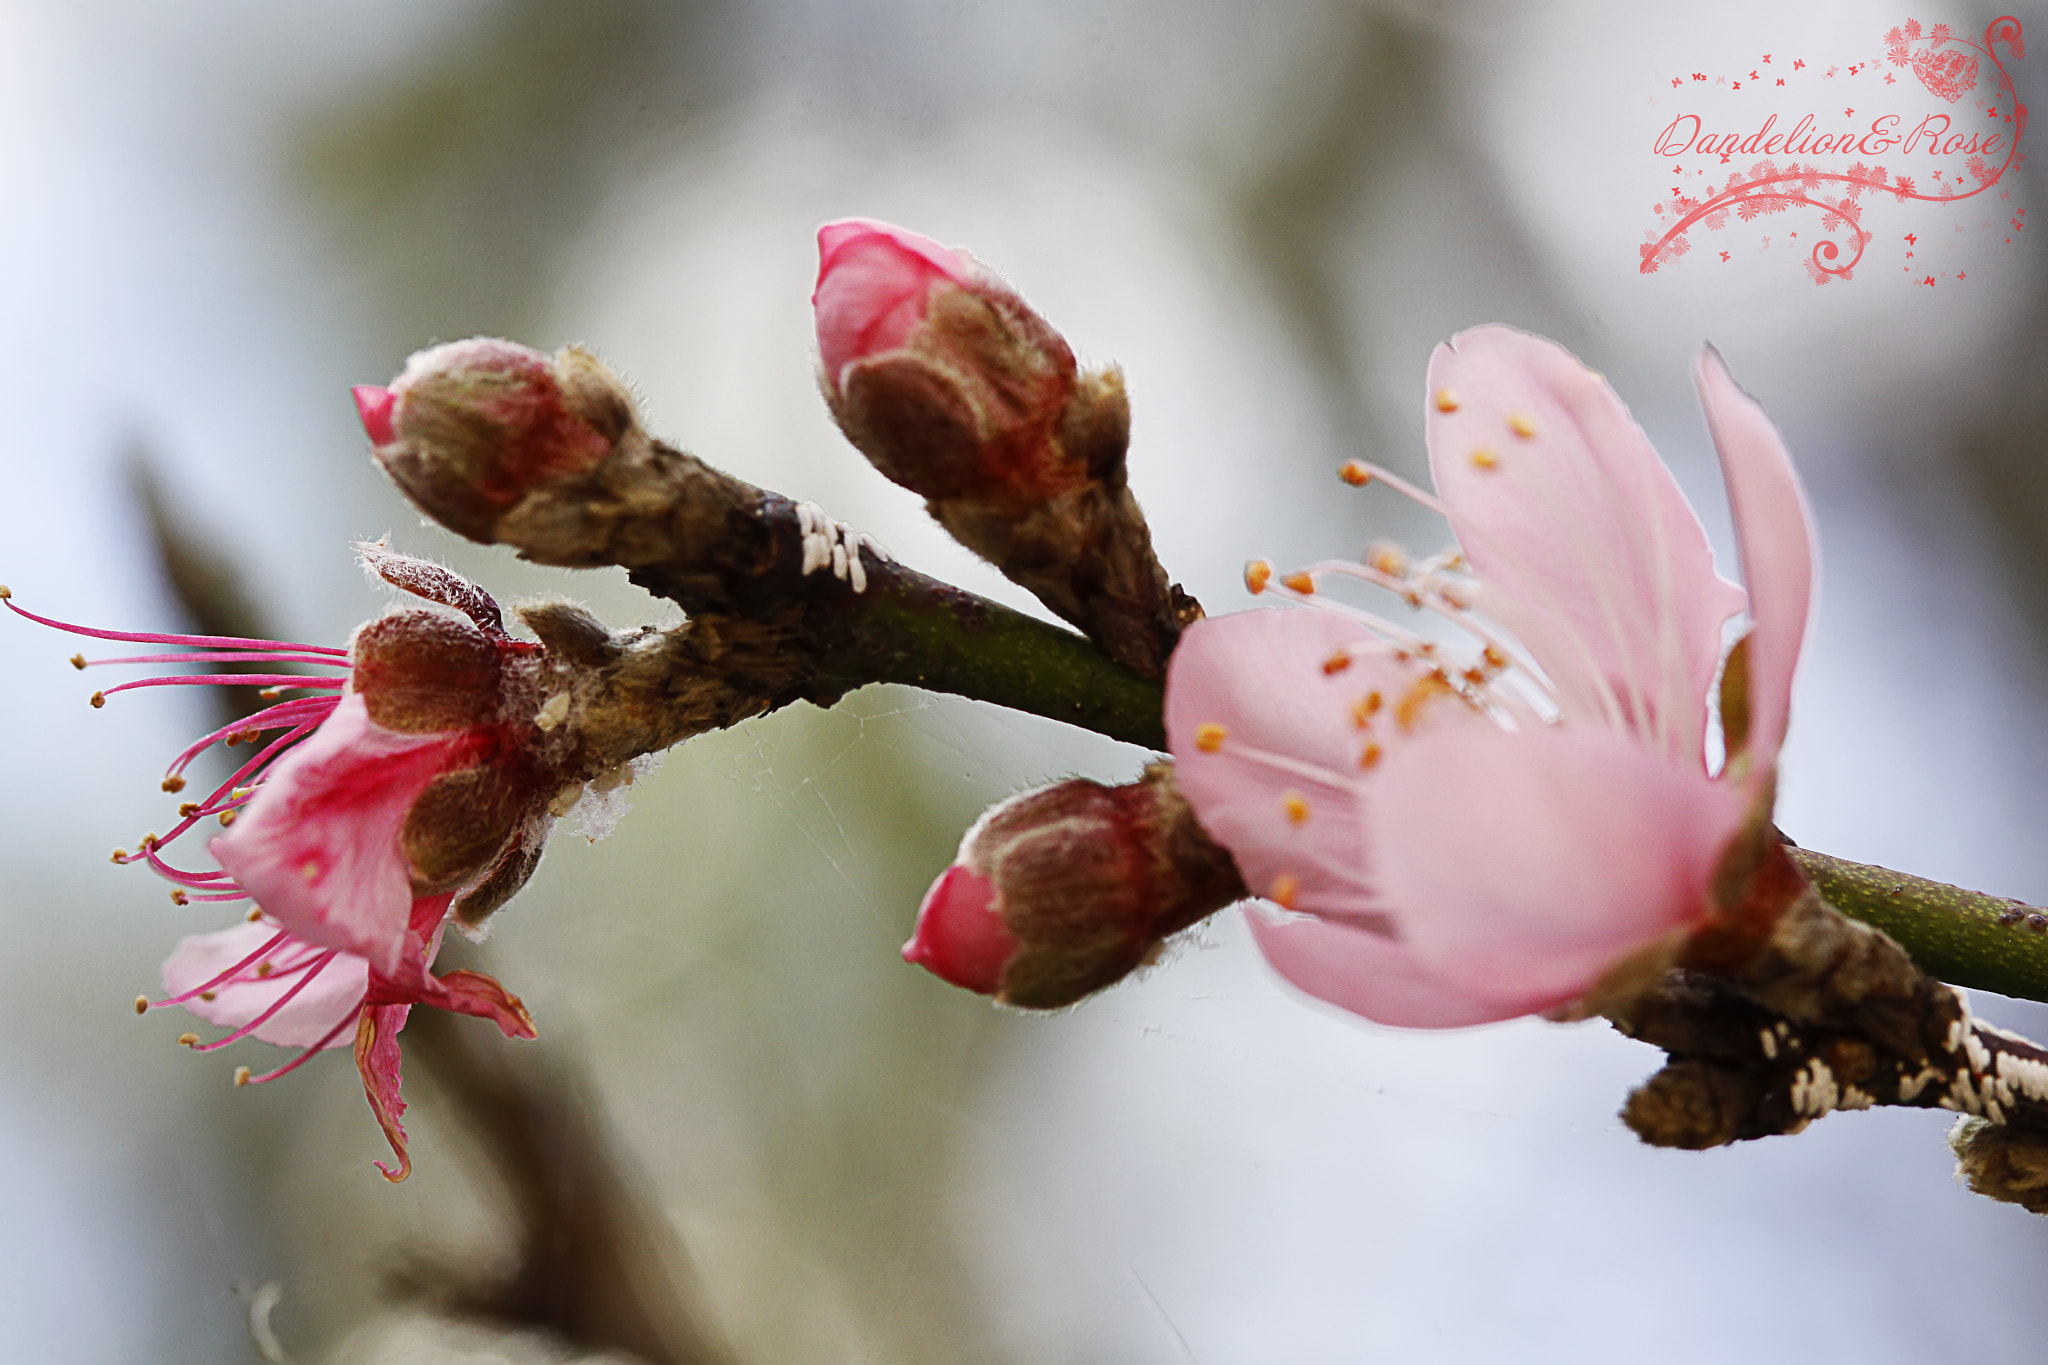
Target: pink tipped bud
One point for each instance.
(1059, 892)
(874, 288)
(947, 380)
(960, 936)
(373, 406)
(473, 426)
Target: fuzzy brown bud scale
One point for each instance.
(1064, 890)
(953, 387)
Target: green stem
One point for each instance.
(1963, 937)
(912, 629)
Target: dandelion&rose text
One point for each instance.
(1938, 156)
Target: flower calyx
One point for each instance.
(1064, 890)
(953, 387)
(472, 427)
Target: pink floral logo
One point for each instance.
(1948, 73)
(1832, 162)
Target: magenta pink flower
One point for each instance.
(1475, 823)
(874, 288)
(354, 830)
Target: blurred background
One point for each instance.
(749, 1132)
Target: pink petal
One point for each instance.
(1775, 531)
(373, 406)
(1371, 975)
(474, 993)
(318, 847)
(377, 1060)
(1590, 553)
(1520, 866)
(874, 284)
(335, 994)
(1281, 790)
(960, 936)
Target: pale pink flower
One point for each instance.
(1480, 823)
(874, 288)
(326, 833)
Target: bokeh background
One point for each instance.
(749, 1133)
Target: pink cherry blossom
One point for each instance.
(874, 286)
(1467, 824)
(346, 933)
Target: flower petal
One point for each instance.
(318, 847)
(1370, 975)
(1272, 747)
(874, 284)
(1589, 550)
(1774, 528)
(1521, 865)
(335, 994)
(377, 1060)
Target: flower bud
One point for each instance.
(473, 426)
(1059, 892)
(954, 388)
(946, 379)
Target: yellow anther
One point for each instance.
(1299, 582)
(1355, 473)
(174, 783)
(4, 594)
(1209, 736)
(227, 817)
(1446, 401)
(180, 898)
(1494, 659)
(1409, 709)
(270, 693)
(1256, 575)
(264, 969)
(1296, 806)
(142, 1004)
(120, 856)
(241, 1076)
(1371, 757)
(146, 843)
(1286, 887)
(188, 1040)
(1484, 458)
(1368, 706)
(1522, 424)
(78, 662)
(255, 913)
(1336, 663)
(1389, 558)
(188, 809)
(99, 699)
(209, 996)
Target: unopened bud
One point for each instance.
(1059, 892)
(472, 426)
(947, 380)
